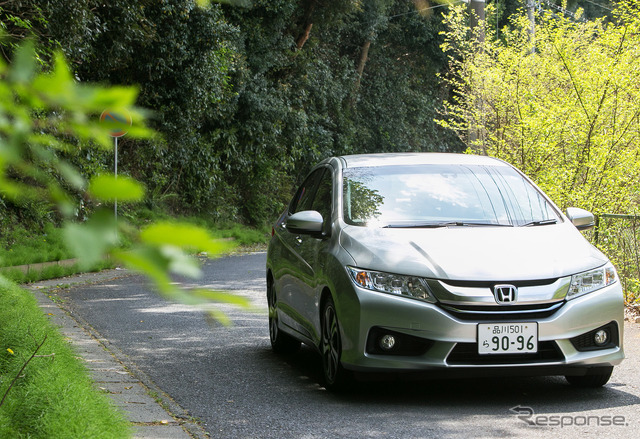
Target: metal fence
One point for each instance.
(619, 237)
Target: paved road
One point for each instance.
(229, 379)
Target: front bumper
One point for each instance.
(451, 342)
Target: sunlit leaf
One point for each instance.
(219, 317)
(62, 200)
(180, 262)
(108, 187)
(85, 244)
(113, 97)
(58, 87)
(150, 262)
(91, 240)
(221, 297)
(239, 3)
(184, 236)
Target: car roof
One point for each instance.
(419, 158)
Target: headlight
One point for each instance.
(592, 280)
(407, 286)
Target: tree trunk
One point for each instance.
(304, 36)
(308, 24)
(364, 55)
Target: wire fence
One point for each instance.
(619, 237)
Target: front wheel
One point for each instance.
(281, 343)
(597, 379)
(335, 376)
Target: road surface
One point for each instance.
(228, 378)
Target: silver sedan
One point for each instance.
(444, 264)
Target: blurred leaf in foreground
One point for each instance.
(44, 114)
(107, 187)
(167, 248)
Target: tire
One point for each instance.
(336, 378)
(597, 379)
(281, 343)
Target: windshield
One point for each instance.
(442, 195)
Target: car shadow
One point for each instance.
(553, 393)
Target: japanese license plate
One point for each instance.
(507, 338)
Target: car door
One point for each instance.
(298, 288)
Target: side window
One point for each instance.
(303, 199)
(324, 197)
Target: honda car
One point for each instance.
(444, 264)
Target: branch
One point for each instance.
(573, 82)
(34, 355)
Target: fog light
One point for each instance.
(387, 342)
(601, 337)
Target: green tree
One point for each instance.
(179, 56)
(47, 114)
(363, 81)
(567, 115)
(249, 97)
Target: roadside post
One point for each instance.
(118, 122)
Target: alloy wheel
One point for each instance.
(281, 343)
(331, 346)
(273, 315)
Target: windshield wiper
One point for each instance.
(545, 222)
(417, 226)
(434, 225)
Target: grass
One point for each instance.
(243, 235)
(21, 247)
(53, 396)
(50, 395)
(51, 272)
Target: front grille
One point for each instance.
(467, 354)
(502, 313)
(491, 284)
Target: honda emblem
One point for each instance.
(505, 294)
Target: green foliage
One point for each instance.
(29, 164)
(566, 115)
(249, 95)
(298, 104)
(620, 238)
(92, 240)
(53, 397)
(562, 107)
(180, 56)
(51, 112)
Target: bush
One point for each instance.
(619, 238)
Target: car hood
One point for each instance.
(474, 253)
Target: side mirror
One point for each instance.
(582, 219)
(308, 222)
